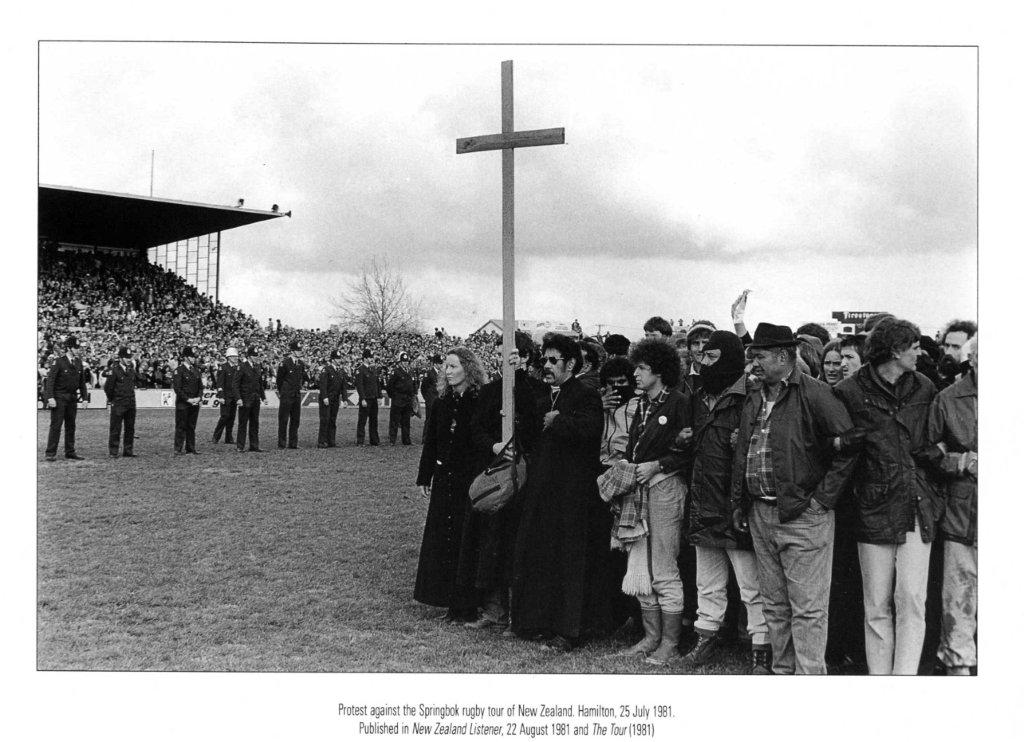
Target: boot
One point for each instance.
(761, 659)
(652, 634)
(703, 650)
(668, 649)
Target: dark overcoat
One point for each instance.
(448, 463)
(559, 583)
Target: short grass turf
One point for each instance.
(287, 560)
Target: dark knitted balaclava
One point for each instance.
(724, 372)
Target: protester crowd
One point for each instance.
(815, 495)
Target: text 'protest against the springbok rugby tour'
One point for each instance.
(505, 720)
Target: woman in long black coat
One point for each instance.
(448, 464)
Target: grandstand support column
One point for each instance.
(216, 279)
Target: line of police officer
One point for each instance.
(240, 388)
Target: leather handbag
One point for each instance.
(498, 483)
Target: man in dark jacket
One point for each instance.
(65, 386)
(331, 385)
(488, 541)
(248, 391)
(290, 375)
(401, 389)
(558, 586)
(897, 504)
(225, 383)
(368, 389)
(428, 388)
(120, 390)
(786, 480)
(188, 395)
(953, 431)
(715, 417)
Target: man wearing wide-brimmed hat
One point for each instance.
(65, 386)
(786, 481)
(188, 396)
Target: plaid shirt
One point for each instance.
(760, 474)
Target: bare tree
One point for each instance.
(378, 301)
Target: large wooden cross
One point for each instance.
(507, 141)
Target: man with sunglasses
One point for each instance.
(559, 585)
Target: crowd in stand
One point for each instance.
(108, 301)
(824, 488)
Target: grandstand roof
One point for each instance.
(84, 217)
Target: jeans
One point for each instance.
(895, 579)
(712, 580)
(665, 509)
(794, 570)
(959, 605)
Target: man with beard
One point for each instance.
(954, 337)
(331, 385)
(249, 391)
(715, 413)
(225, 382)
(559, 589)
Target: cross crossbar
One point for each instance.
(507, 141)
(533, 138)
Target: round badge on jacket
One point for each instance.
(662, 420)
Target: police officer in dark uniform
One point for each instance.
(225, 382)
(401, 389)
(248, 391)
(65, 386)
(331, 385)
(368, 389)
(290, 375)
(120, 391)
(188, 396)
(428, 388)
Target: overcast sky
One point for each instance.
(820, 178)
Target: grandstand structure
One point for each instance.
(183, 237)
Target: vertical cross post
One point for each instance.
(508, 258)
(507, 141)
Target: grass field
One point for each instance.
(280, 561)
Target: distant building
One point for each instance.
(536, 328)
